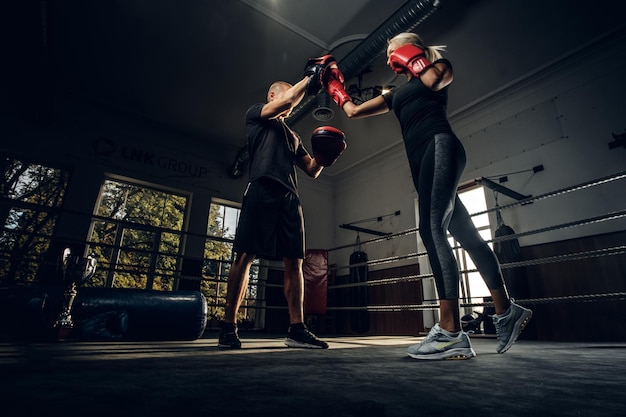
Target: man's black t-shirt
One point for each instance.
(273, 149)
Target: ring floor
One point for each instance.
(356, 376)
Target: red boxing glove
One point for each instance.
(337, 93)
(408, 58)
(335, 86)
(333, 72)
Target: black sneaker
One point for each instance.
(303, 338)
(229, 338)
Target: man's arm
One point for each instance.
(309, 166)
(287, 101)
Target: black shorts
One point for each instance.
(271, 224)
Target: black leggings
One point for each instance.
(436, 174)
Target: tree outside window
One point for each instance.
(137, 236)
(30, 198)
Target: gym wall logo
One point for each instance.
(107, 148)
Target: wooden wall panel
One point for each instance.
(598, 320)
(382, 323)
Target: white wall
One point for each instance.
(317, 200)
(381, 188)
(562, 117)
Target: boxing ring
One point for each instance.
(341, 276)
(348, 292)
(610, 251)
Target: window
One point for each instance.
(136, 235)
(473, 288)
(218, 256)
(31, 196)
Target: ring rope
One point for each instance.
(617, 250)
(566, 190)
(615, 296)
(606, 217)
(581, 186)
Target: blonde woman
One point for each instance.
(437, 160)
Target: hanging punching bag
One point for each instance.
(515, 278)
(507, 251)
(359, 319)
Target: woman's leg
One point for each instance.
(439, 174)
(463, 230)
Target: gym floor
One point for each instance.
(356, 376)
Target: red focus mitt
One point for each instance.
(327, 144)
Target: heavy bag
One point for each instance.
(315, 272)
(359, 319)
(509, 251)
(135, 314)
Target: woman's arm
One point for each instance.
(437, 76)
(371, 107)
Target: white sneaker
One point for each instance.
(437, 345)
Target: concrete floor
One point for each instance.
(356, 376)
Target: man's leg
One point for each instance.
(294, 290)
(237, 285)
(298, 335)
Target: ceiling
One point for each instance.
(195, 66)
